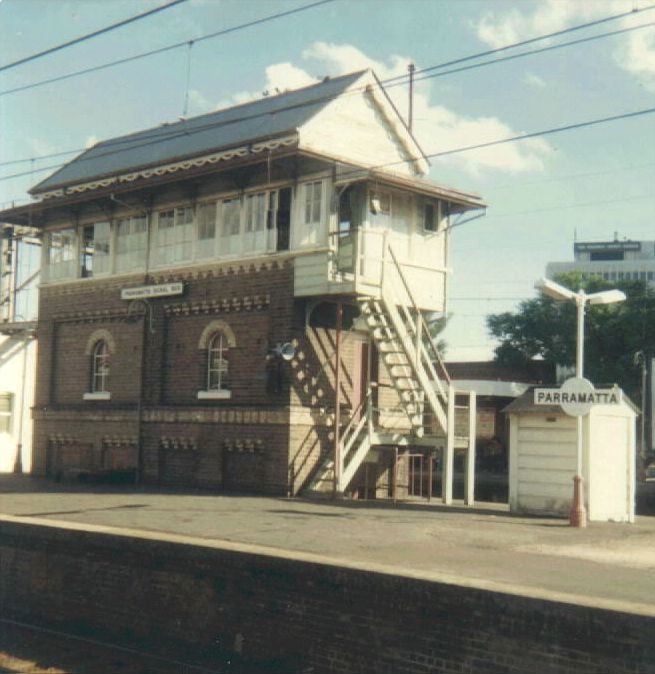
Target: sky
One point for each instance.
(590, 183)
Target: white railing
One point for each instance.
(353, 433)
(353, 252)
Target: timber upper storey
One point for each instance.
(331, 167)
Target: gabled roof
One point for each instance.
(268, 117)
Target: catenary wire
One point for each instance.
(88, 36)
(541, 50)
(468, 148)
(166, 134)
(388, 80)
(532, 40)
(224, 31)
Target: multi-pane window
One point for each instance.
(231, 232)
(217, 363)
(131, 237)
(206, 230)
(257, 209)
(430, 216)
(95, 249)
(99, 367)
(231, 217)
(174, 239)
(62, 253)
(313, 201)
(6, 411)
(256, 212)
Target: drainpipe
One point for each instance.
(18, 461)
(337, 401)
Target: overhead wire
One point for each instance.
(177, 45)
(88, 36)
(532, 40)
(511, 57)
(434, 155)
(171, 133)
(390, 80)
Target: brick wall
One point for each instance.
(158, 363)
(301, 615)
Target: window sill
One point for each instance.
(97, 395)
(220, 394)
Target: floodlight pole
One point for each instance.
(578, 513)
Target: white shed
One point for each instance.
(543, 457)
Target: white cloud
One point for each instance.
(635, 53)
(90, 141)
(338, 59)
(437, 128)
(441, 130)
(39, 147)
(534, 80)
(199, 103)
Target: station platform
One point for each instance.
(606, 565)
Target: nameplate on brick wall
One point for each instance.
(145, 292)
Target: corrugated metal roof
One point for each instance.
(266, 117)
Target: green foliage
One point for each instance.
(546, 328)
(436, 323)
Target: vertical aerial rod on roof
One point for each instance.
(411, 68)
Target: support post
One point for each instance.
(578, 514)
(449, 452)
(469, 487)
(338, 458)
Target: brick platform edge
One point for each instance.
(299, 615)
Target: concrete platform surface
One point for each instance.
(607, 564)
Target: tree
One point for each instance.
(546, 328)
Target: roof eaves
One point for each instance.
(172, 160)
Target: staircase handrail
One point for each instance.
(420, 319)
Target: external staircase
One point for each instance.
(417, 373)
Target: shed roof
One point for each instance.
(263, 118)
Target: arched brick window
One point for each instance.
(100, 367)
(216, 341)
(100, 346)
(218, 363)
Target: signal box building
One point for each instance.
(237, 300)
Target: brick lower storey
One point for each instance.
(269, 450)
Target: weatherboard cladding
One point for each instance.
(264, 118)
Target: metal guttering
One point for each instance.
(32, 214)
(466, 200)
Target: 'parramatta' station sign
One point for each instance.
(146, 292)
(577, 396)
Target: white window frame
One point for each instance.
(7, 399)
(231, 235)
(313, 199)
(217, 376)
(102, 250)
(202, 220)
(173, 243)
(61, 260)
(99, 372)
(132, 258)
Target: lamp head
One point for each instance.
(606, 297)
(554, 290)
